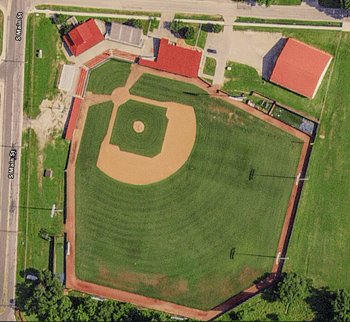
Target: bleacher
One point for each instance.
(98, 59)
(124, 55)
(81, 82)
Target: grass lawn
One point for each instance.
(105, 78)
(102, 10)
(320, 239)
(202, 38)
(37, 194)
(172, 239)
(149, 142)
(210, 65)
(246, 78)
(1, 30)
(41, 73)
(289, 22)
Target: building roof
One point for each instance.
(300, 68)
(175, 59)
(83, 37)
(124, 34)
(73, 118)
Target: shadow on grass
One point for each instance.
(320, 302)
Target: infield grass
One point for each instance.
(105, 78)
(320, 239)
(172, 239)
(150, 141)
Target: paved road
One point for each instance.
(12, 71)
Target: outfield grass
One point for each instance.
(37, 194)
(172, 239)
(97, 10)
(107, 77)
(320, 238)
(41, 74)
(210, 65)
(1, 30)
(289, 22)
(150, 141)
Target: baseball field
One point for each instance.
(174, 239)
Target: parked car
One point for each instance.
(213, 51)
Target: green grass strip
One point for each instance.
(210, 65)
(289, 22)
(198, 17)
(97, 10)
(107, 77)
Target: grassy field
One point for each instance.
(289, 22)
(41, 74)
(285, 2)
(287, 116)
(172, 239)
(150, 141)
(1, 30)
(107, 77)
(97, 10)
(210, 65)
(320, 239)
(246, 78)
(37, 194)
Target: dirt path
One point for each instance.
(73, 283)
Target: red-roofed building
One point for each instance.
(83, 37)
(73, 118)
(300, 68)
(175, 59)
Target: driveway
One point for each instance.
(245, 47)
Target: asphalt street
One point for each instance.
(11, 115)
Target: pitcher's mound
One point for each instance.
(138, 126)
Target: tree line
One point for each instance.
(44, 298)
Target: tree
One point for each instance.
(293, 286)
(345, 4)
(176, 25)
(189, 34)
(341, 306)
(217, 28)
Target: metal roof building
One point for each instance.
(300, 68)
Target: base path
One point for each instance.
(73, 283)
(177, 146)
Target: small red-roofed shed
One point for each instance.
(175, 59)
(83, 37)
(300, 68)
(73, 118)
